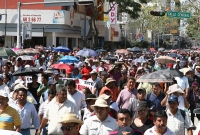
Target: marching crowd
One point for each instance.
(117, 103)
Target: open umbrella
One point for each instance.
(26, 57)
(123, 51)
(29, 71)
(171, 72)
(20, 52)
(165, 60)
(110, 57)
(7, 52)
(61, 66)
(62, 49)
(31, 50)
(69, 59)
(135, 49)
(154, 77)
(86, 52)
(100, 50)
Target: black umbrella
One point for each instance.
(170, 72)
(110, 57)
(135, 49)
(27, 71)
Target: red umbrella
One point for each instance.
(62, 66)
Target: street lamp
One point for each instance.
(43, 33)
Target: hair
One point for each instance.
(161, 113)
(156, 85)
(7, 76)
(71, 83)
(21, 89)
(131, 78)
(89, 96)
(53, 92)
(46, 77)
(34, 76)
(125, 111)
(87, 91)
(59, 88)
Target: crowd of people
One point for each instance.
(117, 104)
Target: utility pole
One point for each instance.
(5, 22)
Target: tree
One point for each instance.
(131, 7)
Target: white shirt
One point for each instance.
(43, 107)
(93, 126)
(5, 88)
(152, 131)
(182, 82)
(87, 114)
(77, 98)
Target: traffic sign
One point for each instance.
(175, 14)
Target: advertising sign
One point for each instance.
(27, 30)
(113, 13)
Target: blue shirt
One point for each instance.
(27, 113)
(156, 100)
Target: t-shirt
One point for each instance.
(122, 83)
(148, 124)
(5, 88)
(86, 70)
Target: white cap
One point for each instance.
(55, 72)
(19, 81)
(101, 69)
(3, 94)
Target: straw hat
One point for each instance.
(100, 103)
(175, 88)
(105, 97)
(70, 118)
(20, 86)
(108, 80)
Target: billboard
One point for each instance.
(113, 13)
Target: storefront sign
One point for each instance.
(113, 13)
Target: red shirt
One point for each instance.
(86, 70)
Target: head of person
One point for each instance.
(51, 94)
(195, 86)
(124, 74)
(173, 103)
(21, 92)
(61, 93)
(52, 84)
(142, 109)
(141, 94)
(76, 70)
(131, 83)
(34, 78)
(86, 91)
(104, 75)
(86, 63)
(70, 124)
(3, 99)
(56, 74)
(197, 68)
(71, 86)
(49, 71)
(6, 69)
(156, 88)
(160, 121)
(110, 82)
(6, 78)
(94, 75)
(90, 100)
(44, 78)
(124, 118)
(101, 108)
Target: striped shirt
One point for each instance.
(9, 118)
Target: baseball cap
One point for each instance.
(140, 105)
(172, 98)
(3, 94)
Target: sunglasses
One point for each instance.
(68, 128)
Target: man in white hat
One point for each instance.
(101, 122)
(9, 117)
(70, 124)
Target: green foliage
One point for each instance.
(142, 44)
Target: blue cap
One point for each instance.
(172, 98)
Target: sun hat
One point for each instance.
(141, 105)
(100, 103)
(172, 98)
(70, 118)
(20, 86)
(93, 72)
(49, 71)
(90, 97)
(105, 97)
(3, 94)
(109, 80)
(175, 88)
(19, 81)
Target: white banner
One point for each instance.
(113, 13)
(27, 30)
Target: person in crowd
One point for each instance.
(49, 72)
(103, 76)
(124, 119)
(122, 81)
(85, 72)
(3, 86)
(26, 110)
(142, 122)
(115, 73)
(7, 80)
(87, 112)
(123, 100)
(59, 106)
(74, 95)
(160, 125)
(177, 119)
(156, 96)
(86, 91)
(56, 77)
(41, 64)
(70, 124)
(44, 86)
(193, 99)
(101, 119)
(43, 108)
(110, 85)
(6, 70)
(76, 73)
(96, 82)
(9, 117)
